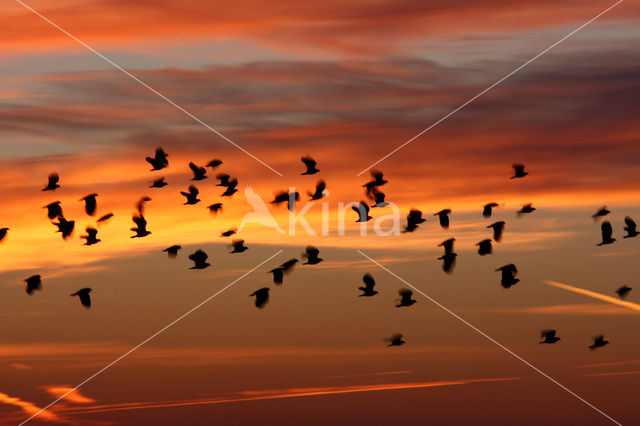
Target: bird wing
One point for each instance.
(309, 162)
(368, 281)
(548, 333)
(607, 230)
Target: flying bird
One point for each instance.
(319, 193)
(192, 195)
(518, 171)
(141, 226)
(140, 204)
(91, 237)
(105, 217)
(395, 340)
(288, 265)
(262, 297)
(65, 227)
(238, 246)
(223, 179)
(83, 294)
(447, 245)
(231, 188)
(311, 254)
(278, 274)
(526, 208)
(214, 163)
(630, 228)
(484, 247)
(34, 282)
(215, 208)
(310, 163)
(549, 336)
(199, 173)
(378, 180)
(378, 197)
(172, 251)
(90, 203)
(405, 298)
(623, 291)
(158, 183)
(54, 210)
(443, 215)
(52, 185)
(598, 342)
(199, 259)
(362, 211)
(287, 197)
(487, 210)
(3, 233)
(414, 218)
(607, 233)
(602, 212)
(498, 228)
(228, 233)
(159, 161)
(509, 273)
(448, 261)
(369, 283)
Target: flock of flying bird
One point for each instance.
(372, 191)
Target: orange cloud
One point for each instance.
(30, 408)
(70, 394)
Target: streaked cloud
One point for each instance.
(593, 294)
(30, 408)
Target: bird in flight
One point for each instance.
(172, 251)
(378, 180)
(231, 188)
(448, 262)
(141, 203)
(141, 226)
(598, 342)
(498, 228)
(159, 161)
(158, 183)
(362, 211)
(405, 298)
(602, 212)
(262, 297)
(509, 273)
(526, 208)
(288, 265)
(52, 184)
(447, 245)
(199, 173)
(518, 171)
(65, 227)
(278, 274)
(228, 233)
(487, 210)
(199, 259)
(310, 163)
(54, 210)
(105, 217)
(378, 198)
(484, 247)
(414, 218)
(91, 237)
(238, 246)
(192, 195)
(319, 192)
(311, 254)
(214, 163)
(549, 336)
(443, 215)
(623, 291)
(215, 208)
(83, 294)
(369, 283)
(34, 282)
(630, 228)
(90, 203)
(287, 197)
(3, 233)
(395, 340)
(607, 233)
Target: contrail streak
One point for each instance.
(593, 294)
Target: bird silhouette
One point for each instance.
(91, 237)
(447, 245)
(199, 173)
(159, 161)
(52, 185)
(448, 261)
(105, 217)
(369, 283)
(378, 198)
(65, 227)
(238, 246)
(214, 163)
(518, 171)
(54, 210)
(288, 265)
(287, 197)
(405, 298)
(90, 203)
(3, 233)
(509, 273)
(598, 342)
(487, 210)
(498, 228)
(223, 179)
(484, 247)
(319, 193)
(215, 208)
(83, 294)
(199, 259)
(141, 226)
(414, 218)
(262, 297)
(278, 274)
(228, 233)
(231, 188)
(378, 180)
(260, 213)
(526, 208)
(310, 163)
(311, 254)
(549, 336)
(34, 282)
(158, 183)
(623, 291)
(443, 215)
(362, 211)
(141, 203)
(172, 251)
(630, 228)
(192, 195)
(395, 340)
(602, 212)
(607, 233)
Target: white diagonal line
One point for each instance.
(492, 86)
(149, 87)
(482, 333)
(153, 335)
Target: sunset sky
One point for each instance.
(346, 83)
